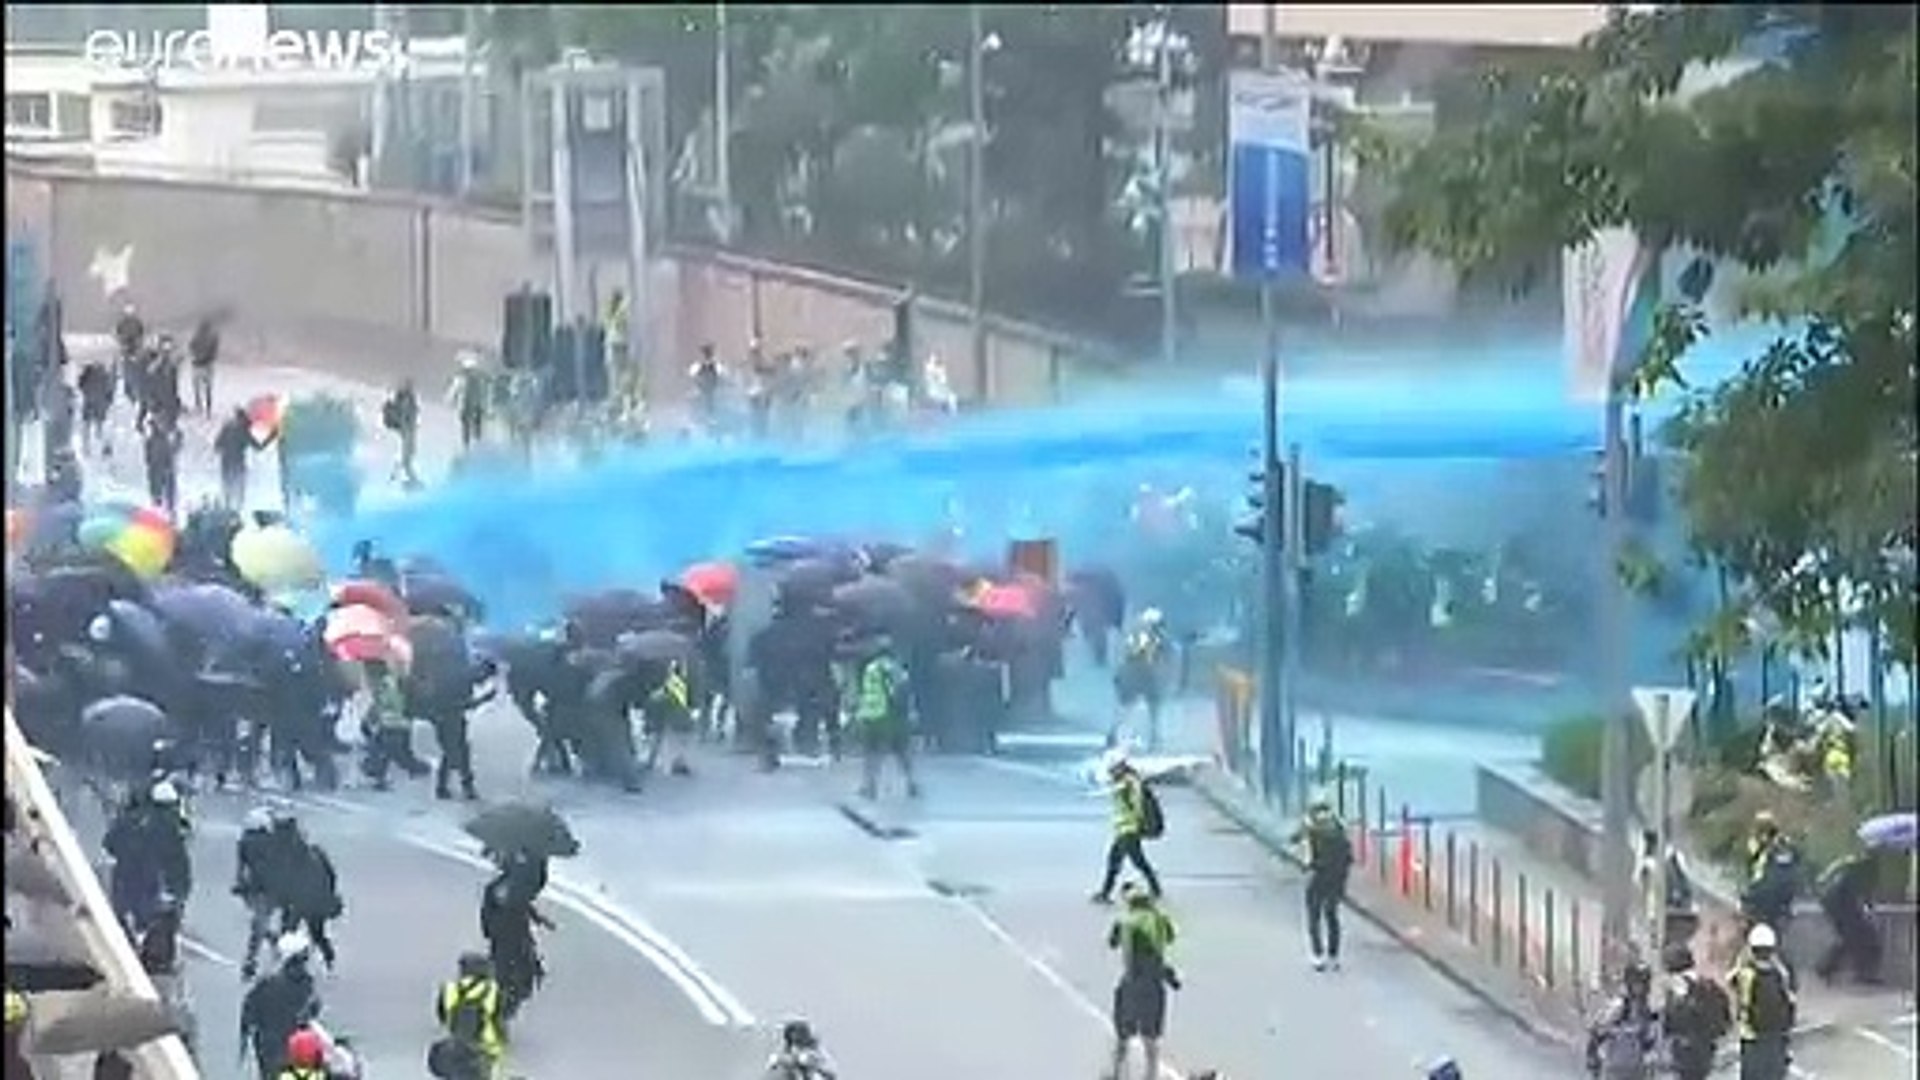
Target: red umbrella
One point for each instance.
(365, 593)
(360, 632)
(715, 583)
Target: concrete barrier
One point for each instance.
(379, 285)
(108, 948)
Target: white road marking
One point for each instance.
(715, 1004)
(206, 952)
(1052, 977)
(1884, 1042)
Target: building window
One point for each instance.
(133, 118)
(74, 116)
(33, 112)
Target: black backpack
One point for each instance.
(1770, 1008)
(390, 414)
(1153, 820)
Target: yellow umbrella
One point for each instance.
(277, 559)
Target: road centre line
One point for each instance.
(716, 1005)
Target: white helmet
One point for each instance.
(259, 819)
(1762, 938)
(165, 794)
(1152, 616)
(100, 630)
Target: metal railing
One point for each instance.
(108, 948)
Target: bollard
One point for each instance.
(1547, 915)
(1520, 938)
(1573, 953)
(1404, 863)
(1366, 840)
(1498, 926)
(1380, 848)
(1453, 922)
(1473, 892)
(1340, 790)
(1427, 863)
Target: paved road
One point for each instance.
(967, 950)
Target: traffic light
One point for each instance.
(1322, 517)
(1253, 525)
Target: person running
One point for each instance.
(1136, 814)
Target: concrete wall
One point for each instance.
(374, 286)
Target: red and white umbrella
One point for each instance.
(358, 632)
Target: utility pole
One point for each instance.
(723, 120)
(1276, 749)
(380, 139)
(1163, 166)
(469, 95)
(1616, 765)
(976, 206)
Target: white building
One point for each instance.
(301, 126)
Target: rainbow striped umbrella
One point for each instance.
(141, 537)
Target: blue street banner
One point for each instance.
(1269, 124)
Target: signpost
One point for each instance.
(1269, 130)
(1665, 711)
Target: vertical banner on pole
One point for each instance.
(1610, 292)
(1269, 125)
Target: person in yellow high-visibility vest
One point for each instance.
(15, 1061)
(669, 711)
(1142, 934)
(469, 1011)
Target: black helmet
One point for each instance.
(1677, 958)
(475, 965)
(798, 1035)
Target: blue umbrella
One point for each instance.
(779, 549)
(1891, 832)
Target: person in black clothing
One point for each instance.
(203, 349)
(95, 384)
(507, 920)
(160, 447)
(308, 890)
(401, 415)
(1695, 1018)
(707, 379)
(130, 336)
(1845, 890)
(160, 397)
(278, 1005)
(231, 445)
(1329, 857)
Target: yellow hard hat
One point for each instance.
(16, 1008)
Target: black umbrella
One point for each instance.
(42, 960)
(98, 1022)
(139, 634)
(654, 646)
(876, 601)
(119, 733)
(812, 581)
(884, 553)
(214, 618)
(437, 594)
(603, 616)
(440, 655)
(533, 829)
(931, 580)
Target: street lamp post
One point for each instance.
(976, 206)
(723, 121)
(1163, 167)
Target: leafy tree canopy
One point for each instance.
(850, 129)
(1798, 475)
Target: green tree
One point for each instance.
(1797, 476)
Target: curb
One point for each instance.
(1207, 784)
